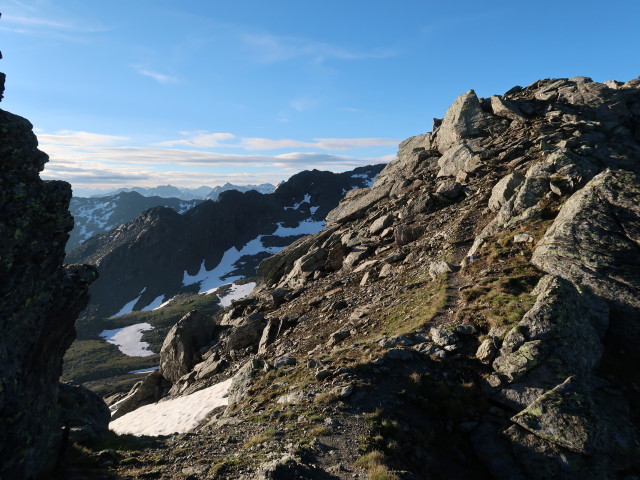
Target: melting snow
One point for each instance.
(307, 227)
(236, 293)
(210, 280)
(128, 308)
(146, 370)
(173, 416)
(306, 199)
(128, 339)
(154, 305)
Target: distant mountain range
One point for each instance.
(100, 214)
(200, 193)
(162, 253)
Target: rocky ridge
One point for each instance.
(473, 314)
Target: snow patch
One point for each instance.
(296, 206)
(236, 293)
(370, 179)
(146, 370)
(306, 227)
(129, 339)
(154, 305)
(178, 415)
(128, 308)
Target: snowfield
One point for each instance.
(129, 339)
(178, 415)
(236, 293)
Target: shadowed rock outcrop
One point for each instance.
(39, 302)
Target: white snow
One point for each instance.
(178, 415)
(210, 280)
(306, 227)
(155, 304)
(370, 180)
(306, 199)
(128, 339)
(128, 308)
(146, 370)
(236, 293)
(164, 304)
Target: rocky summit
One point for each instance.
(473, 314)
(39, 302)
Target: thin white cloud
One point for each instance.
(201, 139)
(158, 77)
(75, 138)
(204, 139)
(275, 48)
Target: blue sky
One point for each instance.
(144, 92)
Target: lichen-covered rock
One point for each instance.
(594, 243)
(39, 302)
(464, 119)
(242, 379)
(504, 190)
(180, 349)
(458, 159)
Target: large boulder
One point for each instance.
(594, 243)
(181, 348)
(149, 390)
(464, 119)
(83, 412)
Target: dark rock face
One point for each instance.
(39, 301)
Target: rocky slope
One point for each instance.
(96, 215)
(39, 302)
(473, 314)
(162, 253)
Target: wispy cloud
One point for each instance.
(203, 139)
(199, 139)
(158, 77)
(75, 138)
(91, 160)
(22, 18)
(276, 48)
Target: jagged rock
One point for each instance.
(593, 243)
(506, 109)
(180, 349)
(437, 269)
(380, 224)
(405, 234)
(523, 238)
(449, 190)
(147, 391)
(443, 337)
(464, 119)
(458, 159)
(356, 202)
(39, 302)
(269, 334)
(285, 468)
(284, 361)
(355, 257)
(242, 379)
(84, 412)
(247, 335)
(277, 266)
(337, 337)
(486, 351)
(504, 190)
